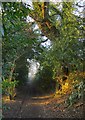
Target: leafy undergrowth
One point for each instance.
(66, 103)
(73, 86)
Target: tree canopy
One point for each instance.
(28, 27)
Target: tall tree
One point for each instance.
(18, 39)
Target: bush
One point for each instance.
(8, 88)
(77, 94)
(44, 79)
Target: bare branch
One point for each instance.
(43, 41)
(80, 5)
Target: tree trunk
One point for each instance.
(11, 72)
(41, 15)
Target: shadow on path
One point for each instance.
(28, 105)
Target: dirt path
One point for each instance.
(30, 109)
(25, 106)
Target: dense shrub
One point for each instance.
(44, 79)
(76, 94)
(8, 88)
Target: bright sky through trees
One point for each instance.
(49, 40)
(33, 69)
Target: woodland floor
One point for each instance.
(26, 106)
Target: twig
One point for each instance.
(78, 105)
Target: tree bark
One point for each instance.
(11, 72)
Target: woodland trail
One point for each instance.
(26, 106)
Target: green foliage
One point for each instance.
(68, 46)
(44, 79)
(77, 94)
(22, 73)
(8, 88)
(47, 72)
(19, 36)
(4, 107)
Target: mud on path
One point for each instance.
(27, 106)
